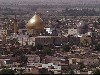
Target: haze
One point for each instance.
(52, 1)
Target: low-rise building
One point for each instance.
(72, 31)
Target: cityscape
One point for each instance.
(50, 37)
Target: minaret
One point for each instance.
(4, 35)
(15, 25)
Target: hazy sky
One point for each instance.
(52, 1)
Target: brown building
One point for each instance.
(49, 40)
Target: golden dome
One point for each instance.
(35, 23)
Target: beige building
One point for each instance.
(72, 31)
(74, 60)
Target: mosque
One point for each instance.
(35, 33)
(36, 30)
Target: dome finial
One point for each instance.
(35, 13)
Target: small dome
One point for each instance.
(35, 23)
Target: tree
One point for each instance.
(51, 72)
(66, 48)
(43, 71)
(39, 47)
(47, 51)
(21, 71)
(97, 71)
(81, 65)
(85, 43)
(97, 47)
(71, 72)
(99, 19)
(23, 60)
(7, 71)
(33, 48)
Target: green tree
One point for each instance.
(66, 48)
(39, 47)
(97, 47)
(97, 71)
(47, 51)
(23, 60)
(81, 65)
(43, 71)
(7, 71)
(85, 43)
(71, 72)
(33, 48)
